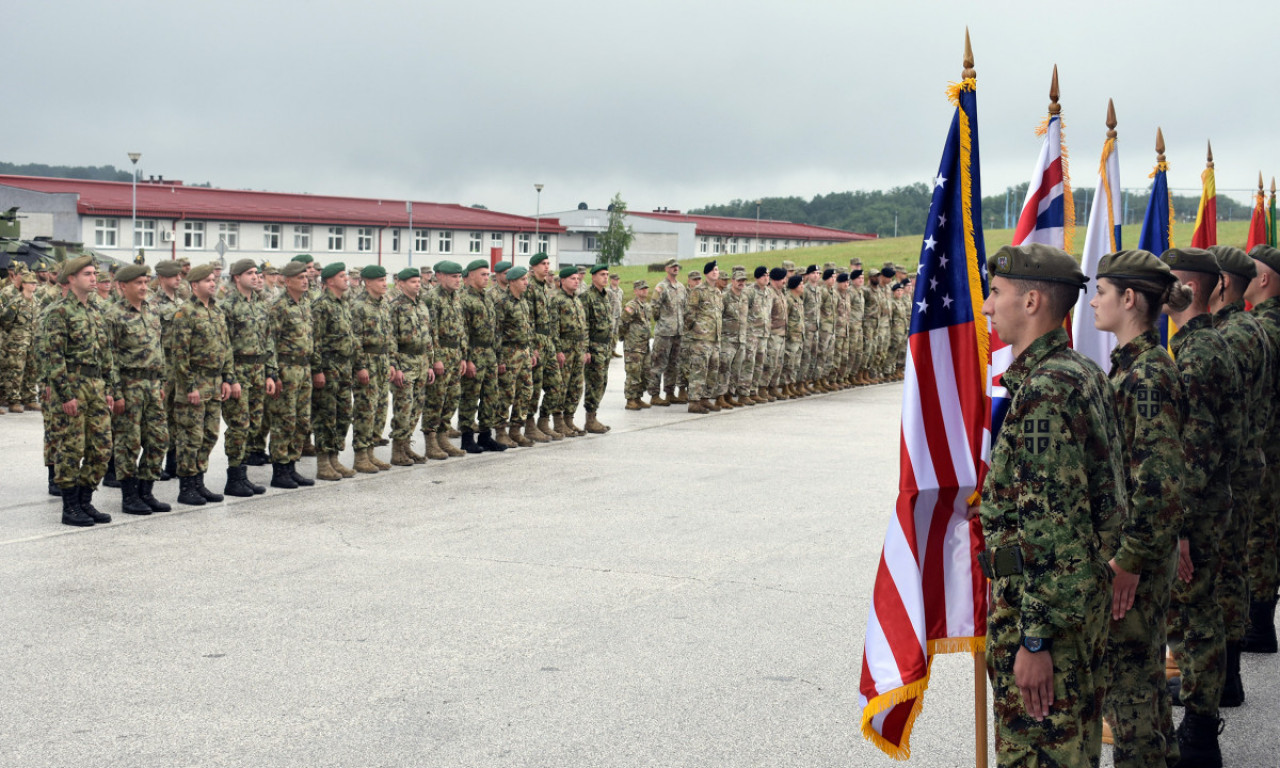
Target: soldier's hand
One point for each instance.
(231, 391)
(193, 398)
(1123, 590)
(431, 376)
(362, 376)
(117, 406)
(535, 361)
(502, 368)
(586, 358)
(1033, 674)
(1185, 569)
(471, 370)
(317, 380)
(397, 377)
(559, 359)
(438, 367)
(111, 402)
(71, 407)
(272, 389)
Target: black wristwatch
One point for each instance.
(1037, 644)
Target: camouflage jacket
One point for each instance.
(1151, 408)
(539, 297)
(1267, 313)
(703, 314)
(599, 317)
(17, 321)
(899, 316)
(615, 302)
(371, 322)
(842, 314)
(827, 309)
(334, 339)
(570, 323)
(733, 315)
(165, 308)
(448, 322)
(795, 317)
(413, 347)
(759, 309)
(515, 323)
(812, 301)
(479, 318)
(668, 306)
(1056, 485)
(778, 312)
(1245, 336)
(291, 330)
(201, 345)
(250, 330)
(634, 325)
(857, 307)
(871, 310)
(135, 344)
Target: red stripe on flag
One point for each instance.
(1051, 178)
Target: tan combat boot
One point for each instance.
(566, 427)
(324, 469)
(593, 424)
(659, 400)
(513, 432)
(532, 432)
(15, 408)
(710, 405)
(363, 464)
(723, 404)
(399, 457)
(633, 405)
(338, 466)
(643, 404)
(544, 425)
(33, 406)
(442, 441)
(433, 450)
(500, 437)
(375, 461)
(453, 433)
(681, 397)
(697, 407)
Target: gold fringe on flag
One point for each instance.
(1163, 166)
(970, 247)
(1068, 200)
(1107, 148)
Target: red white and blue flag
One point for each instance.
(930, 596)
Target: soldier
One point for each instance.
(775, 367)
(17, 327)
(600, 334)
(899, 321)
(203, 378)
(1210, 441)
(805, 376)
(733, 340)
(615, 307)
(826, 329)
(478, 399)
(668, 314)
(451, 345)
(546, 374)
(355, 285)
(290, 410)
(518, 354)
(1050, 507)
(840, 344)
(571, 342)
(857, 325)
(635, 329)
(332, 357)
(138, 423)
(1133, 287)
(1264, 569)
(795, 337)
(371, 321)
(752, 385)
(413, 369)
(698, 351)
(254, 369)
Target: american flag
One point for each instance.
(930, 596)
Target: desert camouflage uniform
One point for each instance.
(290, 411)
(17, 330)
(600, 334)
(77, 361)
(254, 361)
(202, 362)
(371, 322)
(412, 353)
(139, 379)
(667, 307)
(517, 345)
(571, 333)
(333, 354)
(634, 329)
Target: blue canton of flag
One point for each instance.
(1156, 236)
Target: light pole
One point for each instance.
(759, 247)
(537, 217)
(408, 208)
(134, 157)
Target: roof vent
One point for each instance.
(582, 206)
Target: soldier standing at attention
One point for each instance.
(332, 357)
(17, 327)
(600, 342)
(138, 423)
(615, 307)
(635, 329)
(255, 370)
(1151, 405)
(733, 340)
(76, 350)
(203, 377)
(165, 303)
(754, 360)
(775, 370)
(668, 314)
(840, 346)
(478, 399)
(826, 329)
(290, 410)
(52, 418)
(571, 335)
(546, 373)
(371, 318)
(1051, 506)
(697, 348)
(451, 350)
(519, 355)
(412, 371)
(795, 336)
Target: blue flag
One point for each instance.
(1157, 232)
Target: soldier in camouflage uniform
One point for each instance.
(615, 308)
(754, 361)
(52, 417)
(413, 350)
(795, 336)
(518, 354)
(1264, 540)
(371, 320)
(571, 343)
(899, 320)
(253, 358)
(17, 328)
(883, 363)
(635, 329)
(857, 326)
(290, 411)
(668, 313)
(734, 303)
(332, 374)
(1051, 506)
(1133, 287)
(203, 378)
(479, 400)
(451, 345)
(775, 367)
(703, 318)
(165, 300)
(600, 343)
(840, 347)
(546, 374)
(826, 330)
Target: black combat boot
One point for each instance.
(469, 442)
(280, 477)
(297, 478)
(205, 492)
(1233, 688)
(1261, 637)
(109, 480)
(170, 470)
(72, 514)
(86, 505)
(237, 484)
(144, 493)
(130, 503)
(188, 493)
(1174, 684)
(1198, 742)
(54, 490)
(257, 459)
(244, 476)
(486, 442)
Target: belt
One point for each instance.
(411, 349)
(451, 343)
(376, 349)
(150, 374)
(1003, 561)
(601, 339)
(251, 359)
(92, 371)
(302, 360)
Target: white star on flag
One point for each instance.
(941, 180)
(946, 302)
(933, 283)
(942, 262)
(923, 305)
(942, 220)
(929, 242)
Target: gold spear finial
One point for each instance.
(1054, 107)
(1259, 182)
(1159, 146)
(968, 58)
(1209, 159)
(1111, 119)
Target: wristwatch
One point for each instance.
(1037, 644)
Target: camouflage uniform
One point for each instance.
(254, 361)
(759, 307)
(615, 311)
(826, 332)
(883, 337)
(634, 329)
(899, 319)
(667, 307)
(413, 350)
(1055, 495)
(202, 362)
(733, 342)
(53, 419)
(811, 298)
(371, 322)
(75, 348)
(17, 328)
(600, 327)
(333, 354)
(139, 379)
(546, 374)
(795, 338)
(517, 344)
(290, 411)
(776, 357)
(451, 349)
(1264, 536)
(165, 307)
(478, 401)
(571, 334)
(703, 318)
(858, 304)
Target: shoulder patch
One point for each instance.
(1035, 435)
(1148, 399)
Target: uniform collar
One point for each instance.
(1122, 359)
(1041, 349)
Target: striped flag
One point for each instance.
(1206, 231)
(930, 595)
(1101, 237)
(1271, 215)
(1258, 221)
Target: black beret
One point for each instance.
(855, 274)
(843, 277)
(777, 273)
(811, 269)
(888, 272)
(793, 282)
(761, 271)
(827, 273)
(710, 266)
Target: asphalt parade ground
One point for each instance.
(683, 591)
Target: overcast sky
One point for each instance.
(675, 104)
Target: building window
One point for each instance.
(445, 241)
(759, 246)
(229, 233)
(193, 234)
(145, 235)
(302, 237)
(395, 241)
(422, 240)
(590, 243)
(717, 245)
(336, 235)
(733, 245)
(271, 237)
(475, 242)
(544, 244)
(364, 239)
(522, 244)
(773, 245)
(702, 245)
(105, 232)
(495, 239)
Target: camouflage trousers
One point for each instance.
(539, 373)
(441, 401)
(795, 353)
(258, 432)
(883, 349)
(407, 402)
(478, 400)
(331, 410)
(1263, 535)
(754, 363)
(663, 362)
(290, 413)
(595, 375)
(571, 381)
(54, 426)
(141, 429)
(1137, 702)
(775, 360)
(243, 415)
(1071, 735)
(808, 354)
(856, 343)
(826, 349)
(1233, 586)
(198, 425)
(866, 361)
(83, 445)
(636, 360)
(515, 386)
(702, 367)
(729, 367)
(14, 371)
(682, 365)
(1195, 632)
(369, 414)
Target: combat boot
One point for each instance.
(573, 428)
(414, 456)
(513, 432)
(205, 492)
(187, 492)
(442, 440)
(130, 504)
(681, 397)
(237, 483)
(659, 400)
(297, 478)
(15, 408)
(500, 437)
(1261, 637)
(144, 492)
(710, 405)
(375, 461)
(109, 479)
(433, 450)
(33, 406)
(633, 405)
(469, 442)
(362, 463)
(398, 456)
(72, 514)
(544, 426)
(54, 490)
(170, 470)
(310, 448)
(643, 404)
(257, 459)
(1233, 687)
(325, 469)
(339, 467)
(86, 505)
(697, 407)
(280, 476)
(535, 434)
(724, 403)
(487, 443)
(1198, 742)
(593, 424)
(453, 433)
(258, 490)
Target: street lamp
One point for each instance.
(408, 208)
(134, 157)
(759, 247)
(537, 218)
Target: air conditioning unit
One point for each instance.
(167, 236)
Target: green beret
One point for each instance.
(568, 272)
(639, 284)
(599, 268)
(407, 273)
(502, 266)
(242, 266)
(1234, 261)
(474, 265)
(1134, 265)
(184, 261)
(330, 270)
(515, 273)
(132, 272)
(449, 268)
(293, 269)
(373, 272)
(1037, 262)
(199, 273)
(537, 259)
(72, 266)
(1191, 260)
(1266, 254)
(304, 258)
(168, 268)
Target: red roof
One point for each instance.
(728, 226)
(175, 201)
